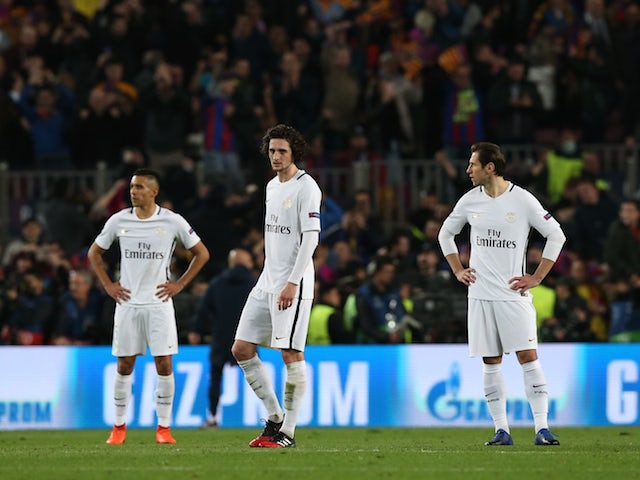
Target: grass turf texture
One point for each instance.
(390, 453)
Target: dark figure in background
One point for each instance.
(80, 314)
(218, 314)
(571, 318)
(514, 104)
(31, 310)
(326, 323)
(380, 307)
(622, 245)
(594, 214)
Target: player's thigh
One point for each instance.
(517, 326)
(484, 339)
(255, 320)
(162, 332)
(290, 326)
(129, 336)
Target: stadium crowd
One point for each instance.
(183, 85)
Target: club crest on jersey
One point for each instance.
(510, 217)
(287, 203)
(160, 231)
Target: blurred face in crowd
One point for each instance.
(32, 231)
(629, 213)
(79, 285)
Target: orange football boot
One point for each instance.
(163, 435)
(118, 435)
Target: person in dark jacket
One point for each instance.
(622, 245)
(218, 315)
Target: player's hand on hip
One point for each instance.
(523, 283)
(166, 290)
(466, 276)
(285, 299)
(118, 292)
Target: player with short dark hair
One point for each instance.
(144, 315)
(501, 316)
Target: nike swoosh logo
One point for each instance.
(537, 386)
(280, 338)
(532, 339)
(490, 393)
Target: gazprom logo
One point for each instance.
(444, 403)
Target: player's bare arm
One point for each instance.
(466, 276)
(171, 288)
(527, 282)
(114, 289)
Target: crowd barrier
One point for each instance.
(396, 185)
(348, 386)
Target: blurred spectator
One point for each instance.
(380, 312)
(166, 107)
(80, 319)
(221, 159)
(625, 309)
(596, 211)
(571, 317)
(46, 105)
(429, 276)
(30, 241)
(297, 94)
(181, 182)
(626, 39)
(31, 311)
(514, 104)
(326, 323)
(464, 114)
(218, 315)
(117, 197)
(342, 90)
(391, 100)
(330, 218)
(399, 248)
(557, 14)
(622, 244)
(595, 296)
(555, 167)
(63, 212)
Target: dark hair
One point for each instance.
(147, 172)
(296, 141)
(490, 153)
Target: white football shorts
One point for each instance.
(136, 327)
(497, 327)
(263, 324)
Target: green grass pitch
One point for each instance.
(330, 453)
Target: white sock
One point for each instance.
(121, 396)
(535, 387)
(257, 378)
(495, 394)
(164, 399)
(293, 394)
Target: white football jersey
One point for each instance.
(499, 235)
(146, 248)
(291, 208)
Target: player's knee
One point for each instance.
(242, 351)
